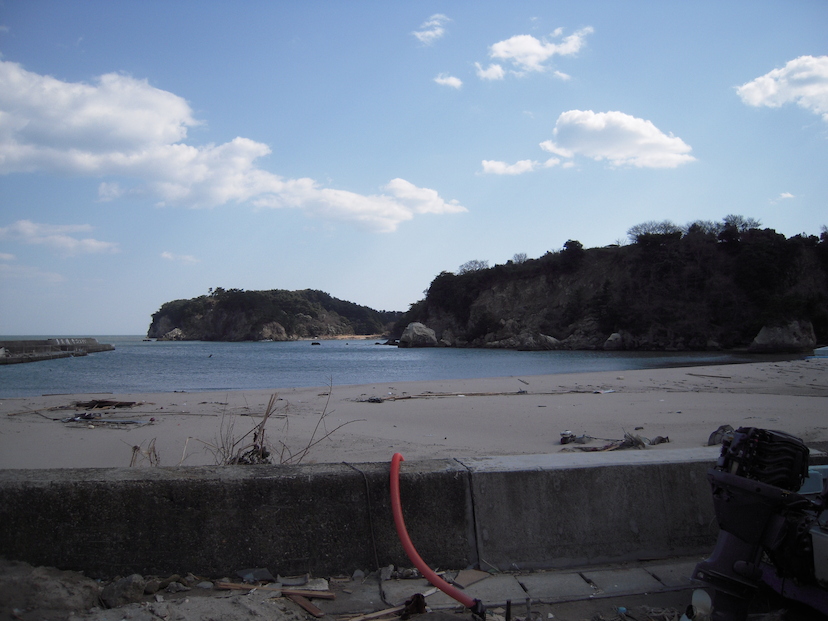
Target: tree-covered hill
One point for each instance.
(237, 315)
(700, 286)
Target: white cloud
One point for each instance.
(492, 72)
(448, 80)
(494, 167)
(187, 259)
(5, 256)
(58, 237)
(803, 81)
(43, 118)
(109, 191)
(528, 54)
(432, 29)
(782, 197)
(381, 213)
(28, 273)
(126, 127)
(619, 138)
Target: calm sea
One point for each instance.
(139, 366)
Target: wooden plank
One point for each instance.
(378, 614)
(305, 603)
(245, 587)
(310, 594)
(301, 592)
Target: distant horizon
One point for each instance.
(144, 333)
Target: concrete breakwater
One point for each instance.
(502, 513)
(12, 352)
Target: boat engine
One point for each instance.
(772, 531)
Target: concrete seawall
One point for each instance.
(19, 351)
(526, 512)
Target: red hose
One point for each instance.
(474, 604)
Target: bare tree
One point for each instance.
(652, 227)
(475, 265)
(741, 223)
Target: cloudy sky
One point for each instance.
(150, 151)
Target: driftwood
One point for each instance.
(307, 593)
(305, 603)
(100, 404)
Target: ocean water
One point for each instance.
(139, 366)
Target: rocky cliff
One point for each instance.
(691, 290)
(236, 315)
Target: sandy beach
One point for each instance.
(421, 420)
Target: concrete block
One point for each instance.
(396, 592)
(493, 591)
(577, 509)
(508, 513)
(556, 586)
(674, 575)
(324, 518)
(623, 580)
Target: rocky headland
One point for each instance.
(707, 286)
(275, 315)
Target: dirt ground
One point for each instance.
(46, 594)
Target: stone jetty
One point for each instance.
(16, 351)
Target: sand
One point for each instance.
(422, 420)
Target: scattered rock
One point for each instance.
(176, 587)
(418, 335)
(176, 334)
(190, 580)
(152, 586)
(795, 337)
(124, 591)
(166, 582)
(45, 588)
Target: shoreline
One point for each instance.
(422, 419)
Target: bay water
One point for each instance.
(139, 366)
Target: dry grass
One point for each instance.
(141, 455)
(256, 447)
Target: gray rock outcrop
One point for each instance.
(418, 335)
(176, 334)
(794, 337)
(273, 331)
(525, 342)
(615, 342)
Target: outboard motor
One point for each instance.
(770, 533)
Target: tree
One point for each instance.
(519, 258)
(475, 265)
(741, 223)
(573, 246)
(650, 228)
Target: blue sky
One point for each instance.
(152, 150)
